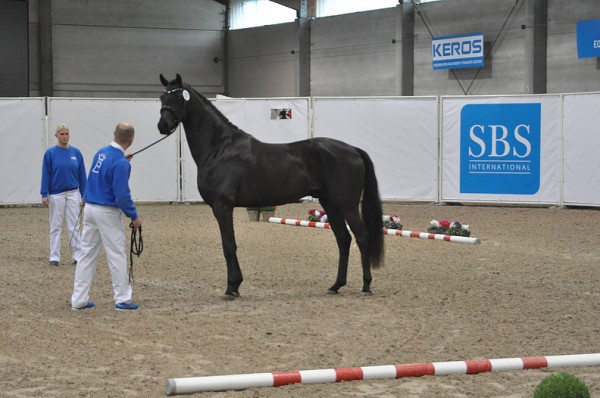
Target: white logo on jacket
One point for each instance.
(98, 164)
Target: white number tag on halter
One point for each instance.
(186, 95)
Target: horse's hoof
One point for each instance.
(332, 291)
(367, 293)
(231, 296)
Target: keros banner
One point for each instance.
(463, 51)
(503, 149)
(588, 38)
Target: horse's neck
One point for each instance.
(205, 130)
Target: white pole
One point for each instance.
(386, 231)
(188, 385)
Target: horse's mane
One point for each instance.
(213, 110)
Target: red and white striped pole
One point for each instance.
(427, 235)
(299, 223)
(275, 379)
(395, 232)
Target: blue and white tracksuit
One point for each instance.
(107, 197)
(63, 180)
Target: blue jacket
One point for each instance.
(108, 180)
(63, 170)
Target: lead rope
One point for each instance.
(137, 246)
(76, 227)
(148, 146)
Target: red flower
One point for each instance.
(445, 223)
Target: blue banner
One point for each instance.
(451, 52)
(500, 147)
(588, 38)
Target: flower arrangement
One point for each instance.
(393, 223)
(317, 215)
(446, 227)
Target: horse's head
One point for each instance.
(173, 103)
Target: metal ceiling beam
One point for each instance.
(293, 4)
(310, 5)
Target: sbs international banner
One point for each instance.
(501, 149)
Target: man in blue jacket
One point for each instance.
(107, 197)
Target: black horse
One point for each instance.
(237, 170)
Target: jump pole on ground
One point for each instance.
(386, 231)
(189, 385)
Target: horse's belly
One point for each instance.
(275, 191)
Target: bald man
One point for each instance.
(107, 197)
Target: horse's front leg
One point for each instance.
(224, 216)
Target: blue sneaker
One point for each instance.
(126, 306)
(90, 304)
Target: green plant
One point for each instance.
(445, 227)
(267, 208)
(392, 223)
(561, 385)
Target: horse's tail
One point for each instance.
(372, 214)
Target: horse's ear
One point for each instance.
(178, 79)
(163, 80)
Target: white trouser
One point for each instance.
(102, 226)
(59, 205)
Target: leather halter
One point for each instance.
(170, 109)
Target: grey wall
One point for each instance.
(14, 56)
(353, 55)
(34, 50)
(118, 48)
(261, 62)
(505, 71)
(567, 73)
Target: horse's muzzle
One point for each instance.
(164, 128)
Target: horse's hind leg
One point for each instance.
(360, 233)
(343, 239)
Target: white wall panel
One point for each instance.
(399, 133)
(92, 122)
(581, 147)
(23, 137)
(253, 115)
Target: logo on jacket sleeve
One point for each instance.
(500, 148)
